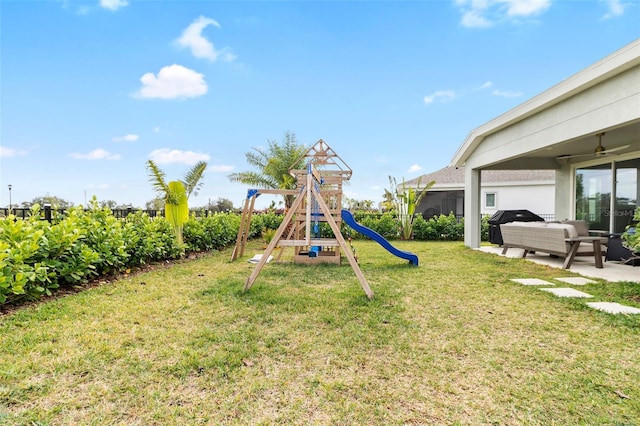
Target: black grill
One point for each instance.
(506, 216)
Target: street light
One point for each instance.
(9, 186)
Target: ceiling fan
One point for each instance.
(599, 151)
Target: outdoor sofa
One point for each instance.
(566, 239)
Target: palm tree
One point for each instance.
(176, 193)
(273, 165)
(404, 199)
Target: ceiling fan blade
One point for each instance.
(601, 154)
(618, 148)
(566, 157)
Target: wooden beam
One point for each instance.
(343, 244)
(274, 241)
(241, 229)
(326, 242)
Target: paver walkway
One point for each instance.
(567, 292)
(613, 308)
(609, 307)
(576, 280)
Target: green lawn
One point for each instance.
(450, 342)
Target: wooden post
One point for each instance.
(245, 224)
(343, 244)
(47, 212)
(274, 242)
(308, 215)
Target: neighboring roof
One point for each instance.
(452, 176)
(614, 64)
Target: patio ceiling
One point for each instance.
(578, 150)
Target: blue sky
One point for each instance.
(90, 90)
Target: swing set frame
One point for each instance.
(318, 200)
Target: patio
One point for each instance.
(612, 271)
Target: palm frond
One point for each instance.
(157, 179)
(193, 178)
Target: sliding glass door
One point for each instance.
(595, 188)
(627, 192)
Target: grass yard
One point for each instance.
(450, 342)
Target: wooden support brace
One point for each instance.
(343, 244)
(274, 241)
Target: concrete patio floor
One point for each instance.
(585, 266)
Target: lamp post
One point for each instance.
(9, 186)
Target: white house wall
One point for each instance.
(539, 199)
(564, 191)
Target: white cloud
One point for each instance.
(99, 186)
(126, 138)
(526, 7)
(96, 154)
(442, 95)
(486, 85)
(156, 129)
(200, 47)
(173, 81)
(616, 8)
(506, 94)
(166, 156)
(10, 152)
(414, 169)
(474, 19)
(485, 13)
(113, 4)
(221, 168)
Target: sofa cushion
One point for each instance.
(570, 230)
(580, 225)
(528, 224)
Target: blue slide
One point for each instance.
(348, 218)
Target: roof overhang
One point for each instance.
(622, 127)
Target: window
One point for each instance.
(490, 200)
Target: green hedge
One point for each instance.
(37, 257)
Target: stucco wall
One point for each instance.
(539, 199)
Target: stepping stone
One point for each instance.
(613, 308)
(576, 280)
(566, 292)
(531, 281)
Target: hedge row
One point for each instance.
(37, 257)
(442, 227)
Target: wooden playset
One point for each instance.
(318, 200)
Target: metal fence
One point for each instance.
(48, 212)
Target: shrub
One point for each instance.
(65, 253)
(149, 239)
(446, 228)
(631, 235)
(22, 273)
(213, 232)
(484, 227)
(104, 234)
(386, 225)
(423, 230)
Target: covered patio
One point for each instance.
(612, 271)
(586, 128)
